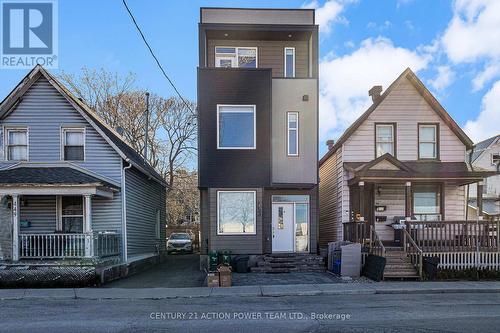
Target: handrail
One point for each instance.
(416, 254)
(376, 245)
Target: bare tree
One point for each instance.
(172, 129)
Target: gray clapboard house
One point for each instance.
(70, 186)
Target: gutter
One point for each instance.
(124, 211)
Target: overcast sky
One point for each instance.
(453, 46)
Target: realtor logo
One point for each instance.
(29, 33)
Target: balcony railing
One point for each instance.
(69, 245)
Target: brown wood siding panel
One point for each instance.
(270, 54)
(405, 106)
(331, 185)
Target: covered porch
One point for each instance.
(47, 214)
(420, 207)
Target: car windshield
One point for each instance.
(179, 236)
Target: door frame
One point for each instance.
(294, 203)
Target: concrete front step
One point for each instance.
(289, 262)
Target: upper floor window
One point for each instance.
(289, 62)
(17, 144)
(243, 57)
(495, 159)
(236, 127)
(293, 133)
(384, 139)
(73, 144)
(428, 135)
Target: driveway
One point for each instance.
(177, 271)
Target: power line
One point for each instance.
(154, 56)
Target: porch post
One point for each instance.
(15, 227)
(362, 201)
(87, 226)
(408, 203)
(480, 186)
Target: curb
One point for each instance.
(251, 291)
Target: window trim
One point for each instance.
(254, 125)
(63, 141)
(441, 191)
(59, 214)
(288, 129)
(255, 213)
(437, 141)
(491, 158)
(236, 48)
(394, 137)
(284, 61)
(6, 130)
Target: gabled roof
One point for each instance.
(114, 139)
(424, 92)
(482, 146)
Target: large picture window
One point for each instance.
(236, 127)
(427, 202)
(17, 144)
(236, 212)
(242, 57)
(428, 141)
(384, 137)
(72, 214)
(73, 144)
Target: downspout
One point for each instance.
(124, 211)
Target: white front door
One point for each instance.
(283, 226)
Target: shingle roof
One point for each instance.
(121, 145)
(481, 146)
(49, 176)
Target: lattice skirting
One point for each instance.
(465, 260)
(41, 277)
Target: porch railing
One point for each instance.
(455, 236)
(68, 245)
(365, 234)
(376, 246)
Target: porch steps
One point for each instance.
(286, 263)
(398, 266)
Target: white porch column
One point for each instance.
(16, 215)
(87, 226)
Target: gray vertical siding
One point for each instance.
(44, 110)
(5, 230)
(144, 197)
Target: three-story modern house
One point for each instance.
(258, 130)
(72, 191)
(396, 181)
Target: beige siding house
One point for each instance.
(402, 162)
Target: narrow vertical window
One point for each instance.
(384, 138)
(17, 144)
(293, 133)
(289, 62)
(428, 141)
(73, 144)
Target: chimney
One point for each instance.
(374, 92)
(330, 144)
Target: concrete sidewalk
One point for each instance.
(264, 291)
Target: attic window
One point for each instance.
(17, 144)
(495, 159)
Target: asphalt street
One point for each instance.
(464, 312)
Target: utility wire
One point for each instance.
(154, 56)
